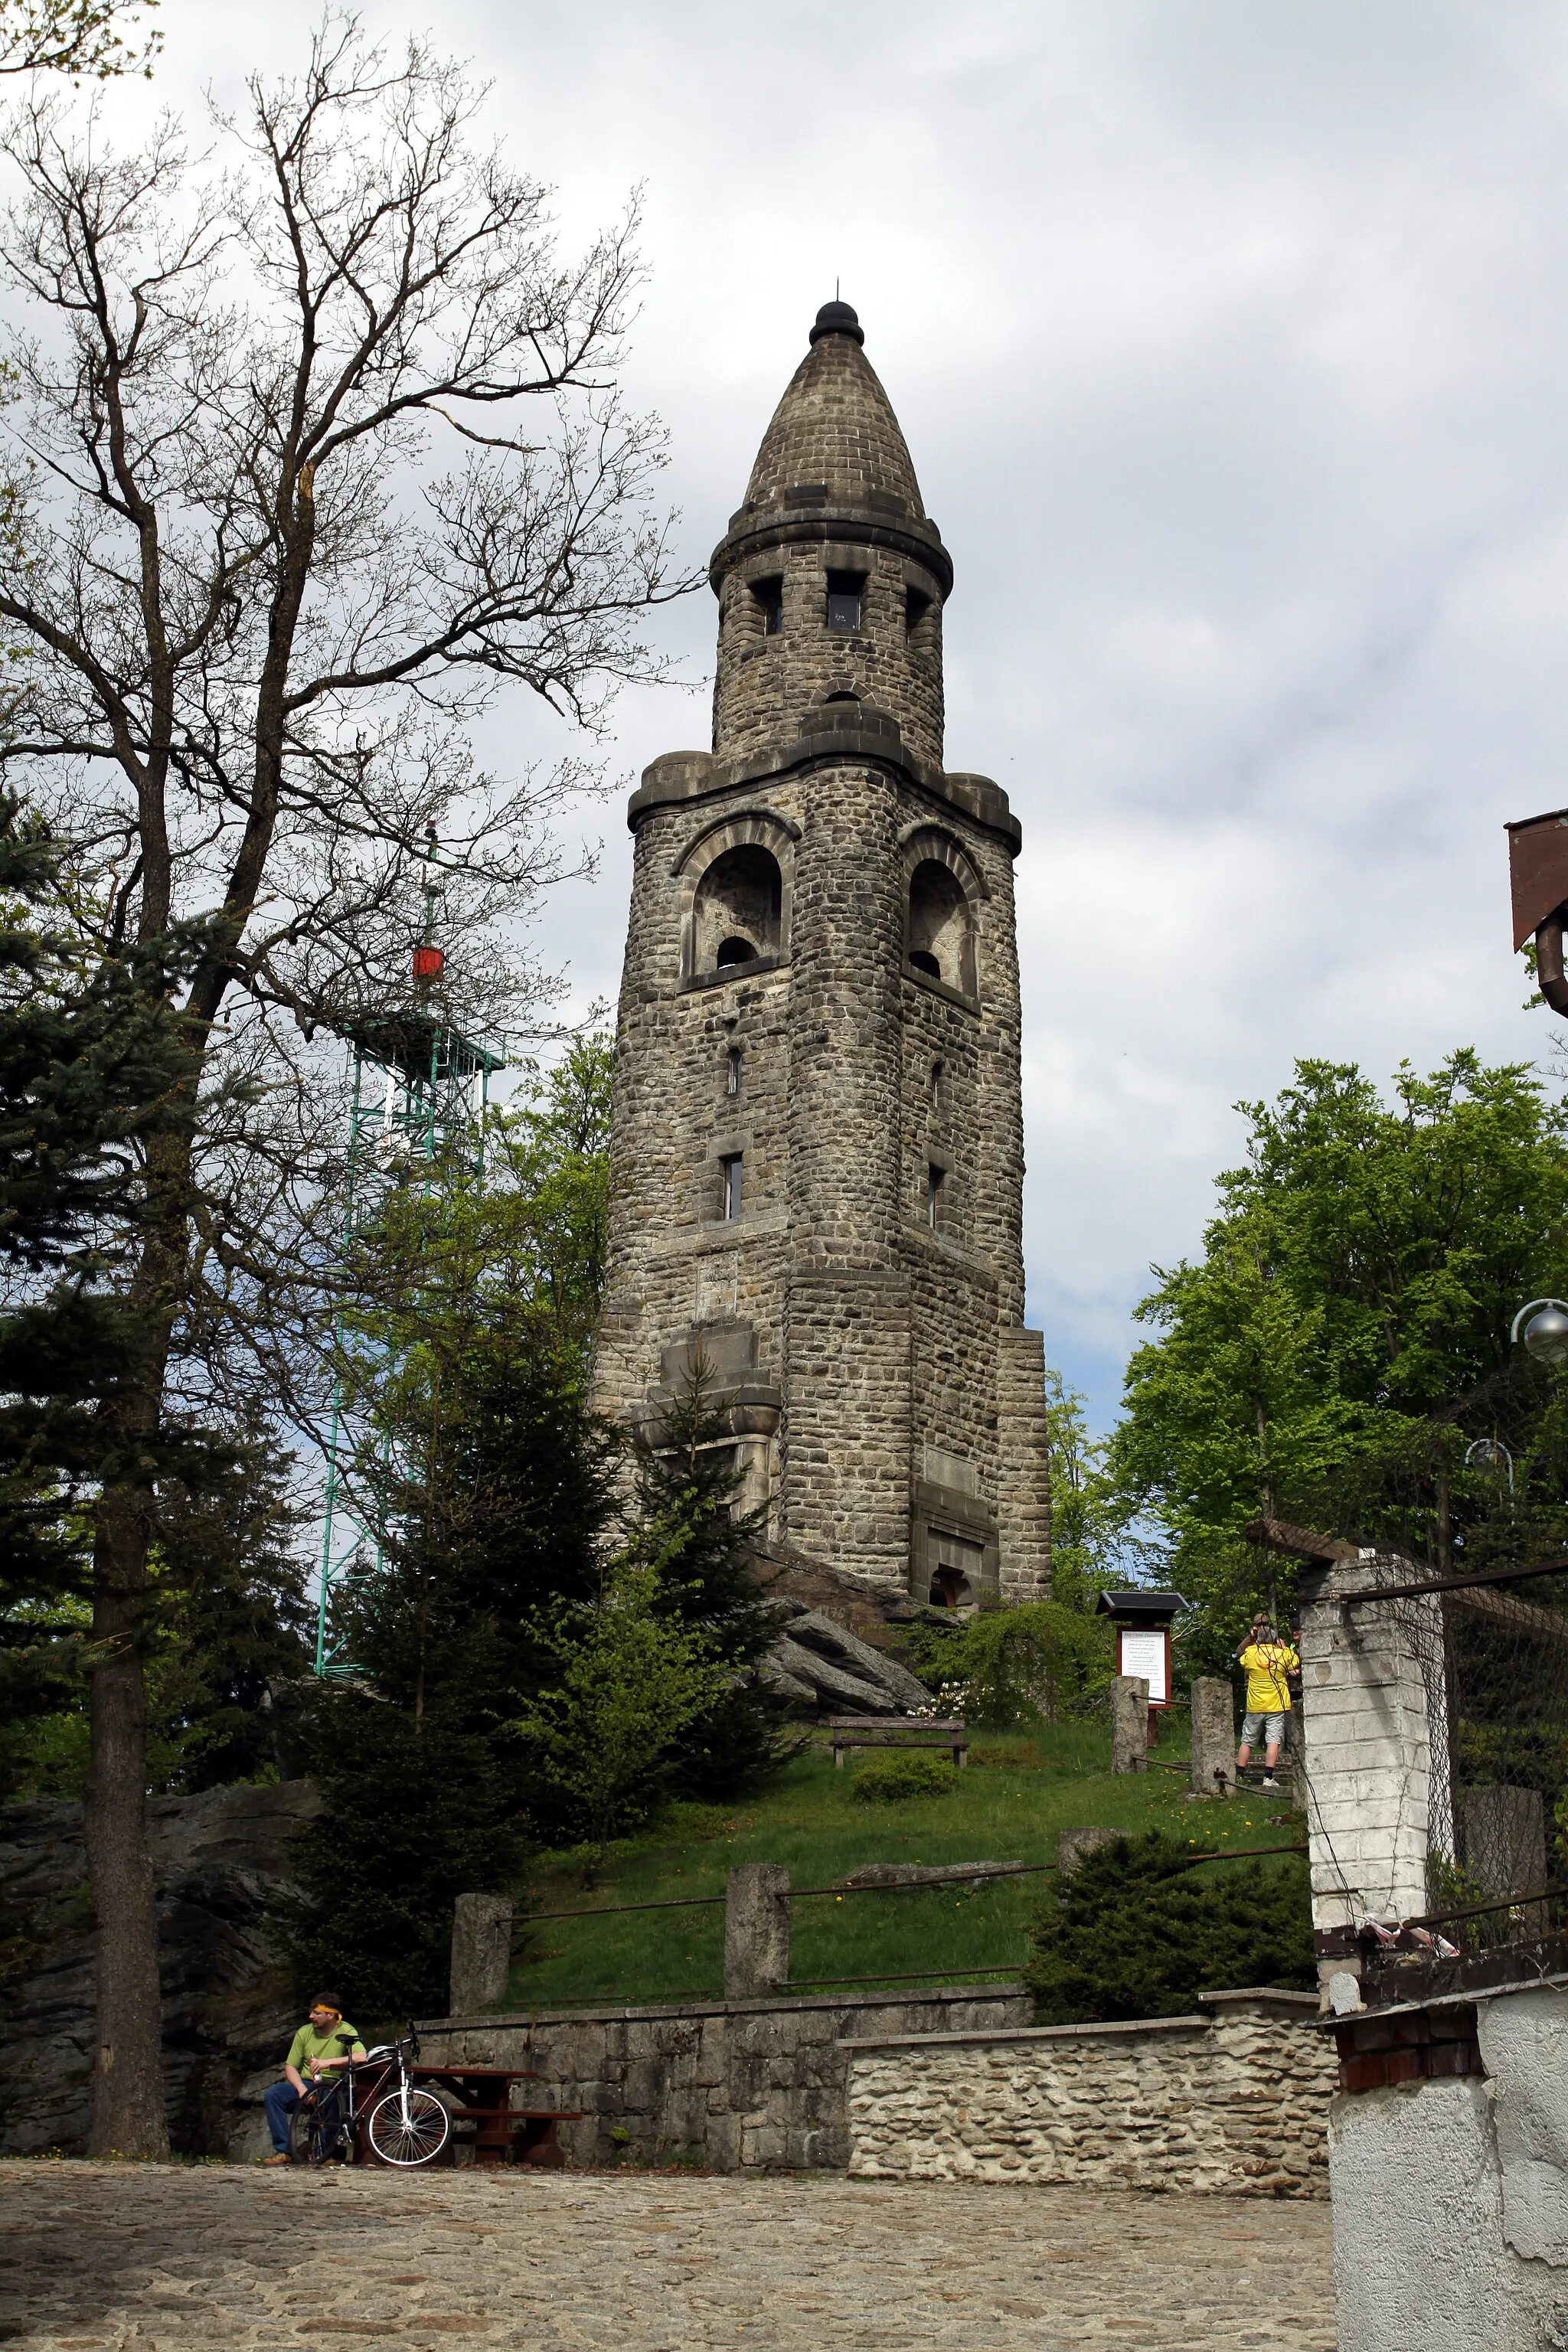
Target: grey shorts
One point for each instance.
(1272, 1726)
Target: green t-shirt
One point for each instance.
(338, 2042)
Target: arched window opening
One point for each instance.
(935, 1079)
(941, 936)
(736, 912)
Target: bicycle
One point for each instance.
(403, 2126)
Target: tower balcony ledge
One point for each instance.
(680, 777)
(755, 530)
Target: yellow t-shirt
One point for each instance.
(1268, 1663)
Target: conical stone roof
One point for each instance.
(834, 427)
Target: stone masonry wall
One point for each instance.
(734, 2084)
(946, 2084)
(1236, 2103)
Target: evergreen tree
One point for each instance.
(1133, 1931)
(510, 1545)
(94, 1073)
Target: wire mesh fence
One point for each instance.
(1491, 1655)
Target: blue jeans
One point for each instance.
(280, 2101)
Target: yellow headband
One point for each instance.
(328, 2011)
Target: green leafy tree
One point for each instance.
(1030, 1664)
(629, 1682)
(1089, 1522)
(91, 40)
(1133, 1931)
(1339, 1353)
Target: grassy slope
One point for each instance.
(1018, 1793)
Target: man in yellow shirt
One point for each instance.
(317, 2057)
(1268, 1661)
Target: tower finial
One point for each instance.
(837, 317)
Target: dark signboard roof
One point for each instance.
(1141, 1604)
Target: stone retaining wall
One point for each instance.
(1236, 2102)
(947, 2084)
(728, 2084)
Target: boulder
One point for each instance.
(900, 1692)
(919, 1873)
(824, 1684)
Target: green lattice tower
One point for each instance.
(420, 1094)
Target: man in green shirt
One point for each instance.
(323, 2046)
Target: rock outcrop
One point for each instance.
(820, 1665)
(221, 1861)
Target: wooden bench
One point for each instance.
(502, 2134)
(853, 1731)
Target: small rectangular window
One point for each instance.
(846, 590)
(917, 604)
(732, 1166)
(934, 1186)
(768, 597)
(732, 1072)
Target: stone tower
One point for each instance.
(817, 1151)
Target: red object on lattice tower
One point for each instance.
(427, 963)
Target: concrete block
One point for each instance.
(482, 1952)
(1213, 1736)
(1129, 1724)
(756, 1931)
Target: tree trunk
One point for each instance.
(127, 2085)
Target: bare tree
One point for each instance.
(284, 529)
(85, 39)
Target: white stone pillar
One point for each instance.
(1371, 1694)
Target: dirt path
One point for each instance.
(162, 2258)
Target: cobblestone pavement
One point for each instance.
(159, 2258)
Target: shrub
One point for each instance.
(1133, 1932)
(890, 1779)
(1020, 1666)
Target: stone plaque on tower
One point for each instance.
(816, 1163)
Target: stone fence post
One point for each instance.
(481, 1953)
(1213, 1736)
(1129, 1724)
(756, 1931)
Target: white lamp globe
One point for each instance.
(1546, 1335)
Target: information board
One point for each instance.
(1144, 1653)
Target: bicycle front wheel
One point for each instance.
(408, 2126)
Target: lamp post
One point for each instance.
(1546, 1334)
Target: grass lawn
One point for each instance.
(1020, 1790)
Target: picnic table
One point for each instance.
(502, 2134)
(852, 1731)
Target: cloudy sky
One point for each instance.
(1230, 338)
